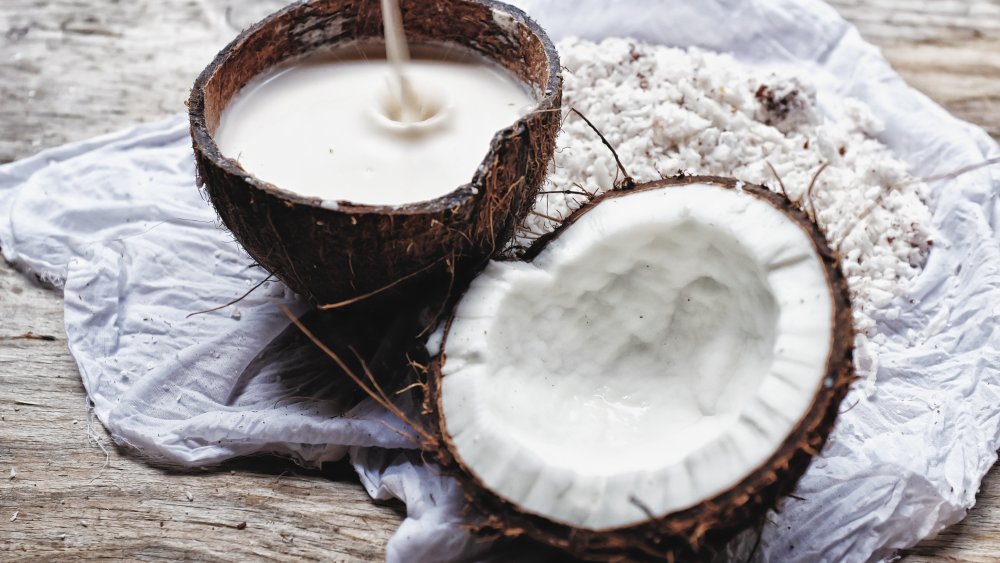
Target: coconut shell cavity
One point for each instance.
(687, 362)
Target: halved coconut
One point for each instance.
(355, 252)
(652, 377)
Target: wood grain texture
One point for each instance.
(73, 502)
(948, 49)
(973, 540)
(71, 69)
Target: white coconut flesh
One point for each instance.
(656, 353)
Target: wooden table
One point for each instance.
(71, 69)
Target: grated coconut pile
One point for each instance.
(669, 111)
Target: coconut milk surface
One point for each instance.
(322, 126)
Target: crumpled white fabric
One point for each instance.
(119, 225)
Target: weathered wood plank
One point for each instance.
(948, 49)
(973, 540)
(74, 69)
(73, 502)
(71, 69)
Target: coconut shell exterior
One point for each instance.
(696, 533)
(358, 251)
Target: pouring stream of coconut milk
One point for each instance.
(397, 52)
(372, 126)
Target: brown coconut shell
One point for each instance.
(360, 252)
(697, 532)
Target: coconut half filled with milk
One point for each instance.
(335, 185)
(651, 377)
(330, 125)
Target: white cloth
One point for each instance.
(118, 224)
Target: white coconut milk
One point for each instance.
(334, 126)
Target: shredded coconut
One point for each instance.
(669, 111)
